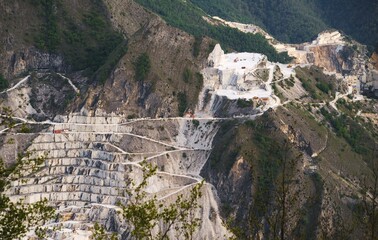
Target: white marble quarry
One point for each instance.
(247, 76)
(89, 159)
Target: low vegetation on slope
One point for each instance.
(357, 132)
(319, 86)
(188, 17)
(82, 33)
(248, 164)
(256, 172)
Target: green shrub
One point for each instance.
(25, 129)
(197, 46)
(199, 82)
(341, 101)
(195, 123)
(3, 83)
(132, 116)
(310, 89)
(187, 75)
(242, 103)
(142, 67)
(289, 82)
(182, 103)
(323, 87)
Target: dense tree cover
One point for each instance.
(300, 20)
(49, 38)
(358, 19)
(288, 21)
(188, 17)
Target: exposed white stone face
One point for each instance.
(216, 56)
(247, 76)
(90, 158)
(329, 38)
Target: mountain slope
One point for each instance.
(190, 18)
(289, 21)
(277, 131)
(298, 20)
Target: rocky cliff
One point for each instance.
(171, 54)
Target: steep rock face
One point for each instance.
(231, 177)
(299, 131)
(330, 50)
(332, 58)
(51, 95)
(171, 55)
(369, 78)
(234, 190)
(374, 74)
(19, 62)
(374, 59)
(243, 161)
(40, 96)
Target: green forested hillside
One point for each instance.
(288, 21)
(189, 17)
(301, 20)
(358, 19)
